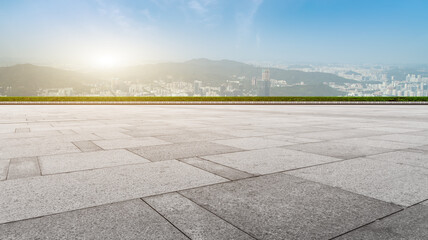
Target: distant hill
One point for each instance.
(26, 79)
(215, 73)
(353, 73)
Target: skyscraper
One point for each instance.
(263, 86)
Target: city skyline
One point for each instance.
(105, 34)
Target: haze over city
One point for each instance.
(107, 33)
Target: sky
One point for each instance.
(129, 32)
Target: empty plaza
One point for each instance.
(213, 172)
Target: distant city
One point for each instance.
(347, 80)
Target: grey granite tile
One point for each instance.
(411, 223)
(124, 220)
(21, 198)
(192, 136)
(416, 159)
(339, 149)
(87, 146)
(155, 132)
(36, 148)
(23, 168)
(89, 160)
(217, 169)
(280, 206)
(269, 160)
(423, 148)
(182, 150)
(4, 166)
(250, 143)
(386, 181)
(404, 138)
(129, 142)
(22, 130)
(340, 134)
(292, 139)
(193, 220)
(369, 142)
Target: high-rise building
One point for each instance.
(263, 86)
(197, 88)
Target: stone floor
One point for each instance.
(213, 172)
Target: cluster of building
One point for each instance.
(236, 86)
(412, 86)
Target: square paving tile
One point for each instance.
(411, 223)
(89, 160)
(193, 220)
(41, 196)
(412, 158)
(252, 143)
(386, 181)
(37, 148)
(182, 150)
(269, 160)
(292, 139)
(87, 146)
(23, 167)
(193, 137)
(280, 206)
(217, 169)
(340, 134)
(4, 166)
(124, 220)
(129, 142)
(405, 138)
(339, 149)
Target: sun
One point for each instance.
(106, 61)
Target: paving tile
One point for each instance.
(411, 223)
(21, 130)
(269, 160)
(155, 132)
(87, 146)
(89, 160)
(252, 143)
(4, 166)
(217, 169)
(340, 134)
(405, 138)
(339, 149)
(280, 206)
(124, 220)
(110, 135)
(41, 196)
(193, 137)
(386, 181)
(23, 168)
(369, 142)
(392, 129)
(193, 220)
(423, 148)
(416, 159)
(182, 150)
(129, 142)
(36, 148)
(247, 133)
(292, 139)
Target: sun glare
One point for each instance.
(106, 61)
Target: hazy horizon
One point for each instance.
(103, 33)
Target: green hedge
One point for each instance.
(89, 99)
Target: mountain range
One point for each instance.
(26, 79)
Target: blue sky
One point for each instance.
(137, 31)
